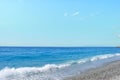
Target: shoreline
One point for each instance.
(109, 71)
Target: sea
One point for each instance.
(52, 63)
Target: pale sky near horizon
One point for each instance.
(59, 22)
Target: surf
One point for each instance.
(52, 71)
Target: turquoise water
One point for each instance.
(51, 63)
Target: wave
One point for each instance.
(104, 56)
(45, 72)
(95, 58)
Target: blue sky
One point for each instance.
(59, 22)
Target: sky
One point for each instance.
(59, 23)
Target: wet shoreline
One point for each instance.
(109, 71)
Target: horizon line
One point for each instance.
(57, 46)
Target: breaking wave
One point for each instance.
(47, 72)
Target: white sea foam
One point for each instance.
(102, 57)
(46, 72)
(24, 72)
(98, 57)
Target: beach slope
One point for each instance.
(110, 71)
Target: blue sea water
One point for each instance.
(52, 63)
